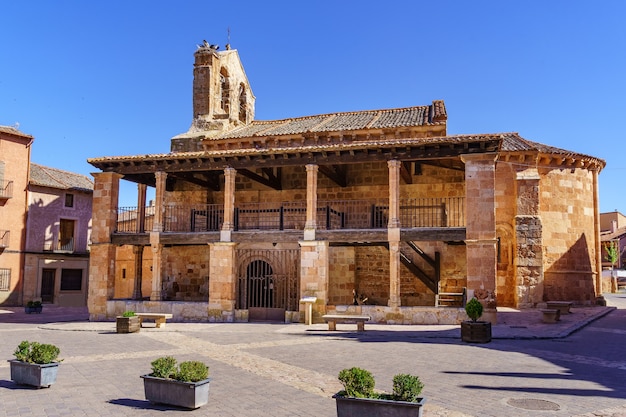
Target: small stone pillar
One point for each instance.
(393, 234)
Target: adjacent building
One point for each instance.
(377, 211)
(45, 217)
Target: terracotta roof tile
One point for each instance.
(343, 122)
(56, 178)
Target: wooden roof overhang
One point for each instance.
(204, 167)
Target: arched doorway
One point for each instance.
(267, 284)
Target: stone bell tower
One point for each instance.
(222, 97)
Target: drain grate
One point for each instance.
(533, 404)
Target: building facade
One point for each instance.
(373, 211)
(46, 223)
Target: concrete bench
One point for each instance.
(562, 306)
(550, 315)
(159, 318)
(333, 319)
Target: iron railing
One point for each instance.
(5, 279)
(331, 215)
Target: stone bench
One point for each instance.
(159, 318)
(333, 319)
(550, 315)
(562, 306)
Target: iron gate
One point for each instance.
(268, 283)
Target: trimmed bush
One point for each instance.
(128, 313)
(407, 387)
(188, 371)
(474, 309)
(192, 371)
(35, 352)
(357, 382)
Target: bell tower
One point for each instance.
(222, 98)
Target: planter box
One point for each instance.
(359, 407)
(476, 331)
(127, 324)
(34, 374)
(182, 394)
(36, 310)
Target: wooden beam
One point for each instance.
(270, 182)
(336, 173)
(405, 172)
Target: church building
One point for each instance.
(376, 212)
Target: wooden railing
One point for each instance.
(331, 215)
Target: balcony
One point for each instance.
(6, 190)
(4, 239)
(66, 246)
(281, 216)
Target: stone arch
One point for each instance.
(225, 90)
(505, 273)
(243, 103)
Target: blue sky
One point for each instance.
(90, 79)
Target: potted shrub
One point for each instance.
(473, 330)
(33, 307)
(359, 398)
(185, 385)
(35, 364)
(128, 322)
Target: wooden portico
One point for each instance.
(393, 219)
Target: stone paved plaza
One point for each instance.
(574, 368)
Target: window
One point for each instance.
(69, 200)
(66, 235)
(71, 279)
(243, 110)
(225, 87)
(5, 279)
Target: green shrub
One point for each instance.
(474, 309)
(33, 304)
(34, 352)
(128, 313)
(407, 387)
(192, 371)
(357, 382)
(164, 367)
(189, 371)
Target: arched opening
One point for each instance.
(243, 106)
(225, 90)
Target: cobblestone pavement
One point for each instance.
(573, 368)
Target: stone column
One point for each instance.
(141, 208)
(138, 258)
(314, 271)
(222, 281)
(159, 203)
(229, 204)
(529, 241)
(311, 202)
(393, 233)
(102, 251)
(481, 243)
(157, 278)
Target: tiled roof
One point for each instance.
(13, 131)
(434, 114)
(56, 178)
(513, 142)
